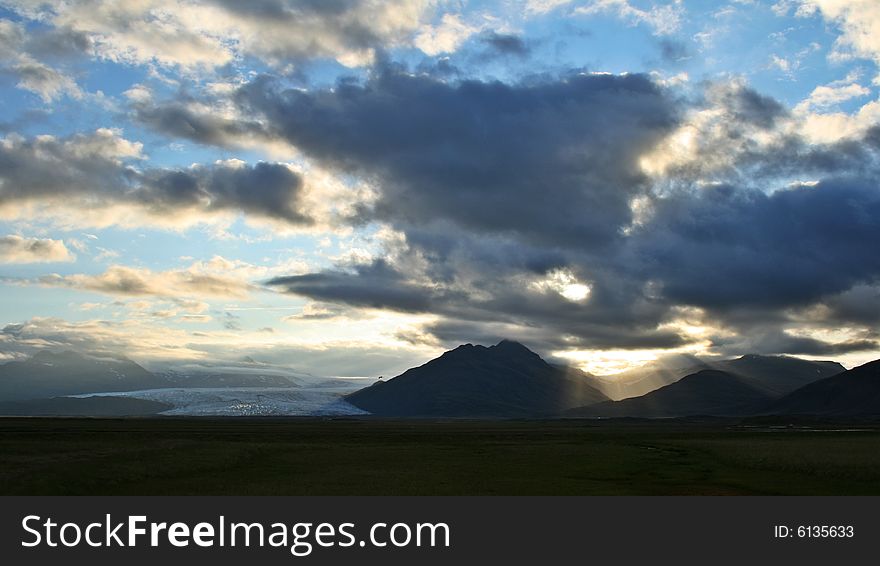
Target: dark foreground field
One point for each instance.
(366, 457)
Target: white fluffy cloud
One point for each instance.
(446, 36)
(823, 122)
(16, 249)
(859, 21)
(829, 95)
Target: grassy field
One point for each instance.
(371, 457)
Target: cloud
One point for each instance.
(570, 240)
(195, 282)
(231, 321)
(200, 123)
(577, 212)
(374, 285)
(17, 58)
(155, 343)
(137, 339)
(725, 248)
(475, 152)
(92, 179)
(859, 22)
(673, 52)
(664, 19)
(320, 311)
(772, 339)
(824, 123)
(16, 249)
(192, 35)
(444, 37)
(824, 96)
(505, 44)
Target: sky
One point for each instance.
(350, 187)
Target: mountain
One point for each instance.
(225, 378)
(707, 392)
(776, 375)
(649, 377)
(505, 380)
(50, 374)
(779, 375)
(851, 393)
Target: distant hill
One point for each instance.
(779, 375)
(225, 378)
(851, 393)
(505, 380)
(776, 375)
(707, 392)
(49, 374)
(649, 377)
(53, 374)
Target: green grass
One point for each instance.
(371, 457)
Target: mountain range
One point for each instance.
(706, 392)
(776, 375)
(510, 380)
(506, 380)
(745, 385)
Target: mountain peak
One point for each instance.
(511, 347)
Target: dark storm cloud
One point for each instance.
(552, 161)
(175, 119)
(472, 171)
(769, 340)
(860, 304)
(499, 186)
(92, 169)
(546, 338)
(375, 285)
(725, 247)
(491, 306)
(269, 190)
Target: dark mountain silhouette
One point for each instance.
(779, 375)
(505, 380)
(707, 392)
(49, 374)
(851, 393)
(776, 375)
